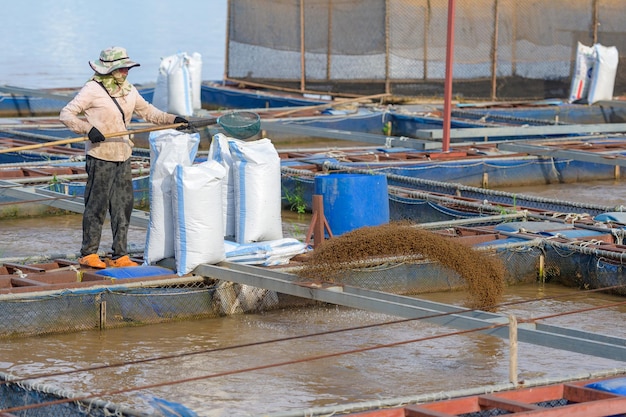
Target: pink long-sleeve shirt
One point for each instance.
(101, 112)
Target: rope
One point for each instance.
(584, 249)
(456, 187)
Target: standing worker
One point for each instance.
(108, 102)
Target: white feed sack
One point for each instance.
(269, 253)
(582, 73)
(604, 71)
(594, 73)
(168, 149)
(178, 87)
(220, 152)
(257, 185)
(197, 210)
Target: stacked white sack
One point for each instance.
(179, 81)
(197, 210)
(594, 73)
(168, 149)
(219, 151)
(604, 72)
(257, 184)
(582, 73)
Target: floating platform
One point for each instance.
(589, 398)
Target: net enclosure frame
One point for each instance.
(503, 49)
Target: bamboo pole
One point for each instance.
(445, 146)
(595, 20)
(287, 89)
(494, 51)
(513, 349)
(227, 41)
(302, 49)
(427, 23)
(84, 138)
(329, 41)
(334, 103)
(387, 48)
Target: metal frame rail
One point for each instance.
(408, 307)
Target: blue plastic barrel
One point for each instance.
(352, 201)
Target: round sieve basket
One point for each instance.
(240, 124)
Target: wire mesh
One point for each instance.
(419, 276)
(38, 401)
(77, 310)
(491, 412)
(574, 269)
(503, 48)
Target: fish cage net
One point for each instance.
(409, 275)
(502, 48)
(45, 401)
(492, 412)
(584, 267)
(77, 310)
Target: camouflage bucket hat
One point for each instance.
(111, 59)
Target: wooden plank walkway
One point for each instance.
(571, 400)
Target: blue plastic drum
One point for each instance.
(352, 201)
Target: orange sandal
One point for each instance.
(92, 261)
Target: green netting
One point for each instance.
(399, 46)
(92, 309)
(40, 400)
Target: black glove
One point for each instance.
(179, 119)
(95, 135)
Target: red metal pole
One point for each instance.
(445, 146)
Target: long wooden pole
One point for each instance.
(302, 49)
(245, 83)
(329, 104)
(445, 146)
(229, 8)
(513, 349)
(494, 51)
(84, 138)
(387, 48)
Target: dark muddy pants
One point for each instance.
(109, 187)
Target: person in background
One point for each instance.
(108, 102)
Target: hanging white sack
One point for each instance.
(604, 72)
(160, 96)
(583, 68)
(197, 210)
(179, 84)
(220, 152)
(179, 99)
(257, 180)
(168, 149)
(195, 69)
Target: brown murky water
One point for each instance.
(233, 387)
(606, 193)
(60, 236)
(442, 364)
